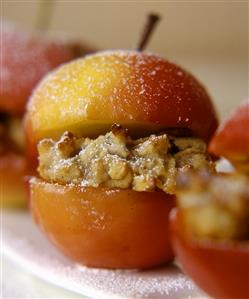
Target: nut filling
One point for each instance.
(214, 206)
(117, 161)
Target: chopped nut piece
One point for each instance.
(66, 145)
(144, 183)
(118, 169)
(97, 174)
(53, 164)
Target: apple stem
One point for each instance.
(149, 27)
(44, 16)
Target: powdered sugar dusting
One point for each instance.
(146, 284)
(24, 244)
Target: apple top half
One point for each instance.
(138, 90)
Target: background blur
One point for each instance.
(209, 38)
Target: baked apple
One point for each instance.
(113, 130)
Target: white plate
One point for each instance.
(26, 246)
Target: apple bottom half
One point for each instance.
(105, 228)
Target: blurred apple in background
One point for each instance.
(25, 58)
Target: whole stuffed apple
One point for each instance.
(113, 130)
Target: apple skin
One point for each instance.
(141, 91)
(231, 140)
(26, 58)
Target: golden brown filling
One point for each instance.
(214, 206)
(11, 134)
(117, 161)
